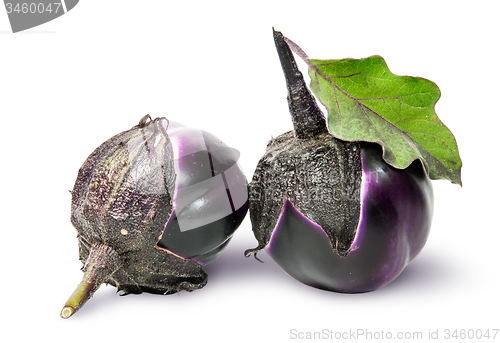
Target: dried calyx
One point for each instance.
(319, 174)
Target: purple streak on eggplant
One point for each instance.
(332, 213)
(127, 191)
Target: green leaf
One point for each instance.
(366, 102)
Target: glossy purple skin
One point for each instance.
(210, 198)
(396, 214)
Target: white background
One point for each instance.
(70, 84)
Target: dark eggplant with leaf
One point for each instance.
(151, 206)
(344, 203)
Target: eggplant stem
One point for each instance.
(101, 263)
(308, 120)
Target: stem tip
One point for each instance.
(67, 312)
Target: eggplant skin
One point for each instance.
(396, 215)
(210, 197)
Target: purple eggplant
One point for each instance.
(151, 206)
(333, 214)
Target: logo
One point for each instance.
(24, 15)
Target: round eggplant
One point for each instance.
(151, 206)
(332, 214)
(394, 223)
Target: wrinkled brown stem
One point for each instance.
(102, 262)
(308, 120)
